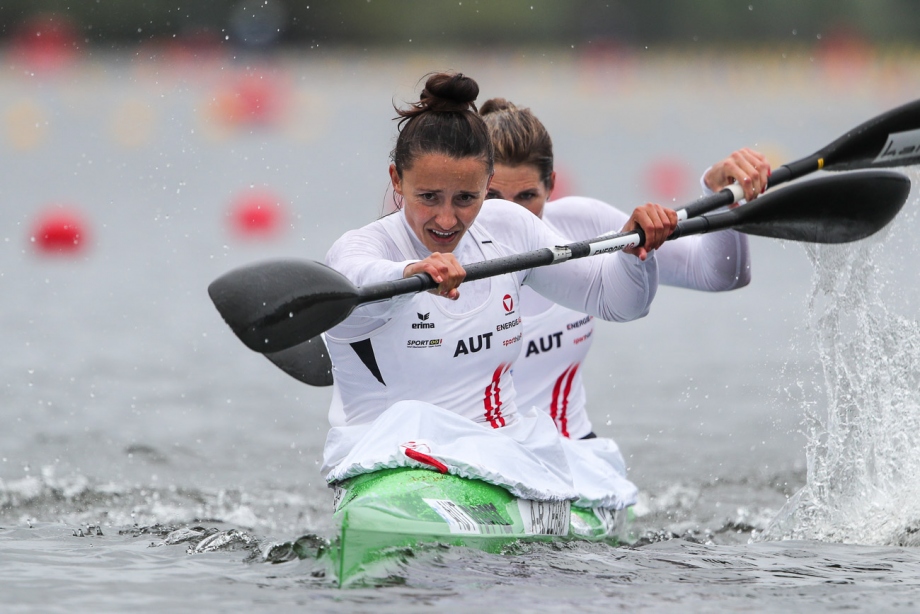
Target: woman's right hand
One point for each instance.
(443, 269)
(657, 223)
(749, 168)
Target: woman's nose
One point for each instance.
(446, 218)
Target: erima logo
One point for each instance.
(508, 304)
(423, 323)
(900, 145)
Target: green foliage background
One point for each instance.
(483, 22)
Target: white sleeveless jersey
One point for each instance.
(548, 373)
(457, 354)
(460, 362)
(424, 373)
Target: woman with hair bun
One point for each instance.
(556, 337)
(427, 375)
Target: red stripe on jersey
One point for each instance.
(492, 400)
(564, 413)
(559, 406)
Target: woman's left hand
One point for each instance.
(656, 222)
(444, 269)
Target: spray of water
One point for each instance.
(863, 435)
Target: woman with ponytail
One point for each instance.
(428, 375)
(556, 337)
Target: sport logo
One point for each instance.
(424, 343)
(424, 323)
(900, 145)
(508, 304)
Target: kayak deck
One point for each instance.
(397, 508)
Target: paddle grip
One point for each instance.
(509, 264)
(793, 170)
(706, 204)
(693, 226)
(407, 285)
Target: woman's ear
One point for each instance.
(395, 180)
(551, 186)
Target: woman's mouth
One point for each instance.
(441, 236)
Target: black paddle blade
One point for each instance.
(307, 362)
(891, 139)
(832, 209)
(272, 306)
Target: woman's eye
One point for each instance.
(428, 196)
(492, 194)
(527, 196)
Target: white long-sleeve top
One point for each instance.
(455, 354)
(557, 339)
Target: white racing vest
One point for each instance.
(548, 373)
(460, 362)
(438, 383)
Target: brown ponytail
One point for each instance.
(518, 137)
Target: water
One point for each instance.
(149, 461)
(863, 469)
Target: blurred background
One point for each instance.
(148, 147)
(269, 23)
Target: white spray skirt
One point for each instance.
(528, 457)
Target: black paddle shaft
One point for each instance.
(288, 302)
(887, 140)
(837, 209)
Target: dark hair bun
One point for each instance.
(446, 92)
(443, 121)
(494, 105)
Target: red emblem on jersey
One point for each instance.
(508, 303)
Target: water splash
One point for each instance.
(79, 500)
(863, 482)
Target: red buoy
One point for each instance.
(59, 231)
(668, 180)
(257, 214)
(253, 98)
(45, 42)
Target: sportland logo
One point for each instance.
(508, 304)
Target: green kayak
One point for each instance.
(377, 513)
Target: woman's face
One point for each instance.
(442, 197)
(521, 184)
